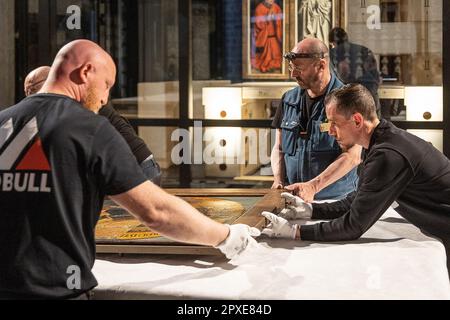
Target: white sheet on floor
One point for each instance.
(393, 260)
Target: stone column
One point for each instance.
(7, 54)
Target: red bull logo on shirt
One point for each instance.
(24, 167)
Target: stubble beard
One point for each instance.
(91, 101)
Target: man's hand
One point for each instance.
(239, 238)
(306, 191)
(277, 185)
(279, 227)
(296, 208)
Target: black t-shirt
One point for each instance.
(306, 113)
(57, 162)
(137, 145)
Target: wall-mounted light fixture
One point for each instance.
(223, 104)
(424, 103)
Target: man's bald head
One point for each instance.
(79, 52)
(83, 71)
(312, 45)
(311, 67)
(35, 80)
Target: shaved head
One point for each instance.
(35, 80)
(77, 53)
(311, 73)
(83, 71)
(311, 45)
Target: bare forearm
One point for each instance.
(180, 221)
(277, 161)
(335, 171)
(171, 216)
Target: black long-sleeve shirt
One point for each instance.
(397, 167)
(136, 144)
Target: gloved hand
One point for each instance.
(279, 227)
(240, 237)
(296, 208)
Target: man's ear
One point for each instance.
(359, 119)
(84, 71)
(322, 64)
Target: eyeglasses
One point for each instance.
(291, 56)
(295, 68)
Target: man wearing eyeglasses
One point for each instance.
(305, 157)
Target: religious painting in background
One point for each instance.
(314, 19)
(265, 39)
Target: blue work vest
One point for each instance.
(307, 157)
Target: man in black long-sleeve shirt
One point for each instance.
(140, 150)
(398, 167)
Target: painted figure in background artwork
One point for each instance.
(267, 36)
(316, 17)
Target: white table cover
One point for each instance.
(393, 260)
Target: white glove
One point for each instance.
(296, 209)
(279, 227)
(240, 237)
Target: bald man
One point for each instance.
(58, 161)
(36, 79)
(304, 156)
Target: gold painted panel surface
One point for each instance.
(116, 223)
(119, 233)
